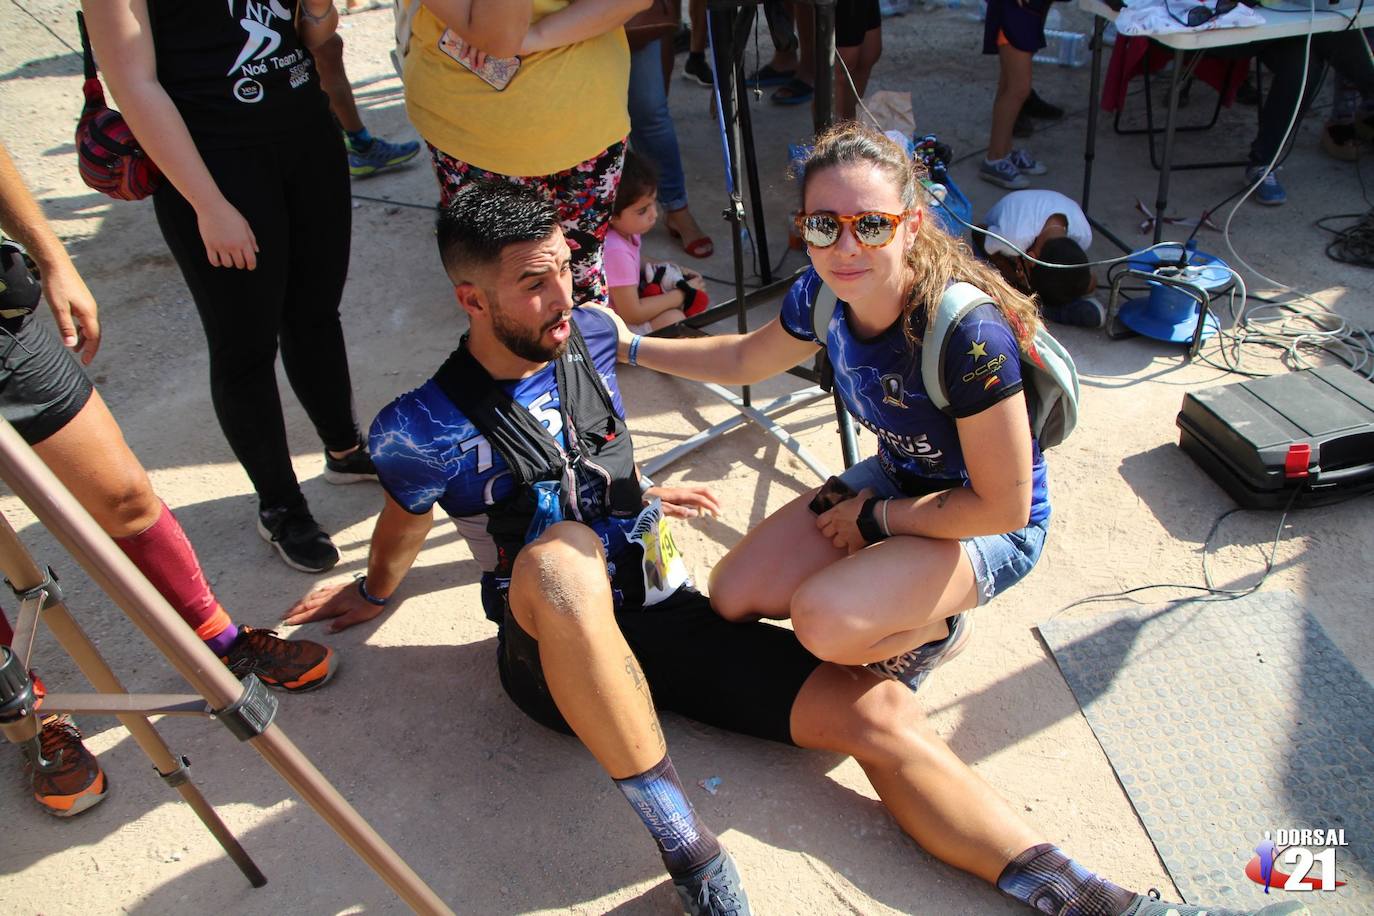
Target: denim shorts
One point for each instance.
(999, 560)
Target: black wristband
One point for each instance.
(868, 525)
(368, 596)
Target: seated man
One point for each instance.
(597, 623)
(1050, 227)
(1347, 52)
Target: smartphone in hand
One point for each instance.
(833, 492)
(496, 72)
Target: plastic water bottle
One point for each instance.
(1068, 49)
(1053, 19)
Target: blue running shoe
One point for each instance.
(378, 156)
(1027, 164)
(912, 668)
(1084, 312)
(1269, 193)
(714, 889)
(1003, 172)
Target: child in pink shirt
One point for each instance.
(662, 294)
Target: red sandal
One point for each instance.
(699, 247)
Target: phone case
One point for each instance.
(496, 72)
(833, 492)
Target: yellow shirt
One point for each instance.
(564, 106)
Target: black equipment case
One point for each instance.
(1302, 437)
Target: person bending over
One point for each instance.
(576, 651)
(1049, 227)
(45, 395)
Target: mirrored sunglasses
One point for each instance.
(872, 228)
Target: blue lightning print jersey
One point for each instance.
(879, 381)
(427, 452)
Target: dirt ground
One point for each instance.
(496, 814)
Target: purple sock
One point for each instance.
(220, 644)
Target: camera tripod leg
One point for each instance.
(19, 568)
(121, 581)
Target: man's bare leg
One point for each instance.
(560, 595)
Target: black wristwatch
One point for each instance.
(868, 525)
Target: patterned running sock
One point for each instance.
(359, 139)
(658, 799)
(165, 556)
(1048, 881)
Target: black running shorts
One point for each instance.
(42, 386)
(743, 677)
(854, 19)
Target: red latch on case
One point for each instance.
(1295, 463)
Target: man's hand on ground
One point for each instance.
(340, 602)
(686, 502)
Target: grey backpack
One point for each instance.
(1047, 370)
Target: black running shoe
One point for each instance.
(698, 69)
(299, 540)
(1038, 108)
(355, 467)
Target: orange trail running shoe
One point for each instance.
(73, 780)
(293, 665)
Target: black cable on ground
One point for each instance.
(1355, 243)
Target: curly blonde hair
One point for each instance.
(937, 258)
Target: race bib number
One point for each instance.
(663, 567)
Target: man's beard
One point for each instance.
(525, 344)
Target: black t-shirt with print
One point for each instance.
(236, 69)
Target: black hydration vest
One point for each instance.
(596, 469)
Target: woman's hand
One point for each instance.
(74, 309)
(229, 240)
(841, 524)
(341, 603)
(689, 501)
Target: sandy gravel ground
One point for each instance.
(497, 814)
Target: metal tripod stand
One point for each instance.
(246, 708)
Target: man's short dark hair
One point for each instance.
(486, 216)
(1058, 286)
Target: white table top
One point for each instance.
(1277, 24)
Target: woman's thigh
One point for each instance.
(759, 575)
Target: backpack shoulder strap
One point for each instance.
(959, 299)
(821, 310)
(530, 452)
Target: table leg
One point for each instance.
(1162, 197)
(1094, 88)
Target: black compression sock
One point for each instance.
(658, 799)
(1048, 881)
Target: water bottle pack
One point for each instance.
(1067, 49)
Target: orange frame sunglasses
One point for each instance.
(871, 228)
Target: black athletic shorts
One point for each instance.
(42, 386)
(743, 677)
(853, 18)
(1023, 25)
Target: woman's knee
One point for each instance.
(826, 624)
(730, 586)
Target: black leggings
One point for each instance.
(295, 195)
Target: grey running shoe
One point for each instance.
(912, 668)
(1004, 173)
(1153, 906)
(714, 889)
